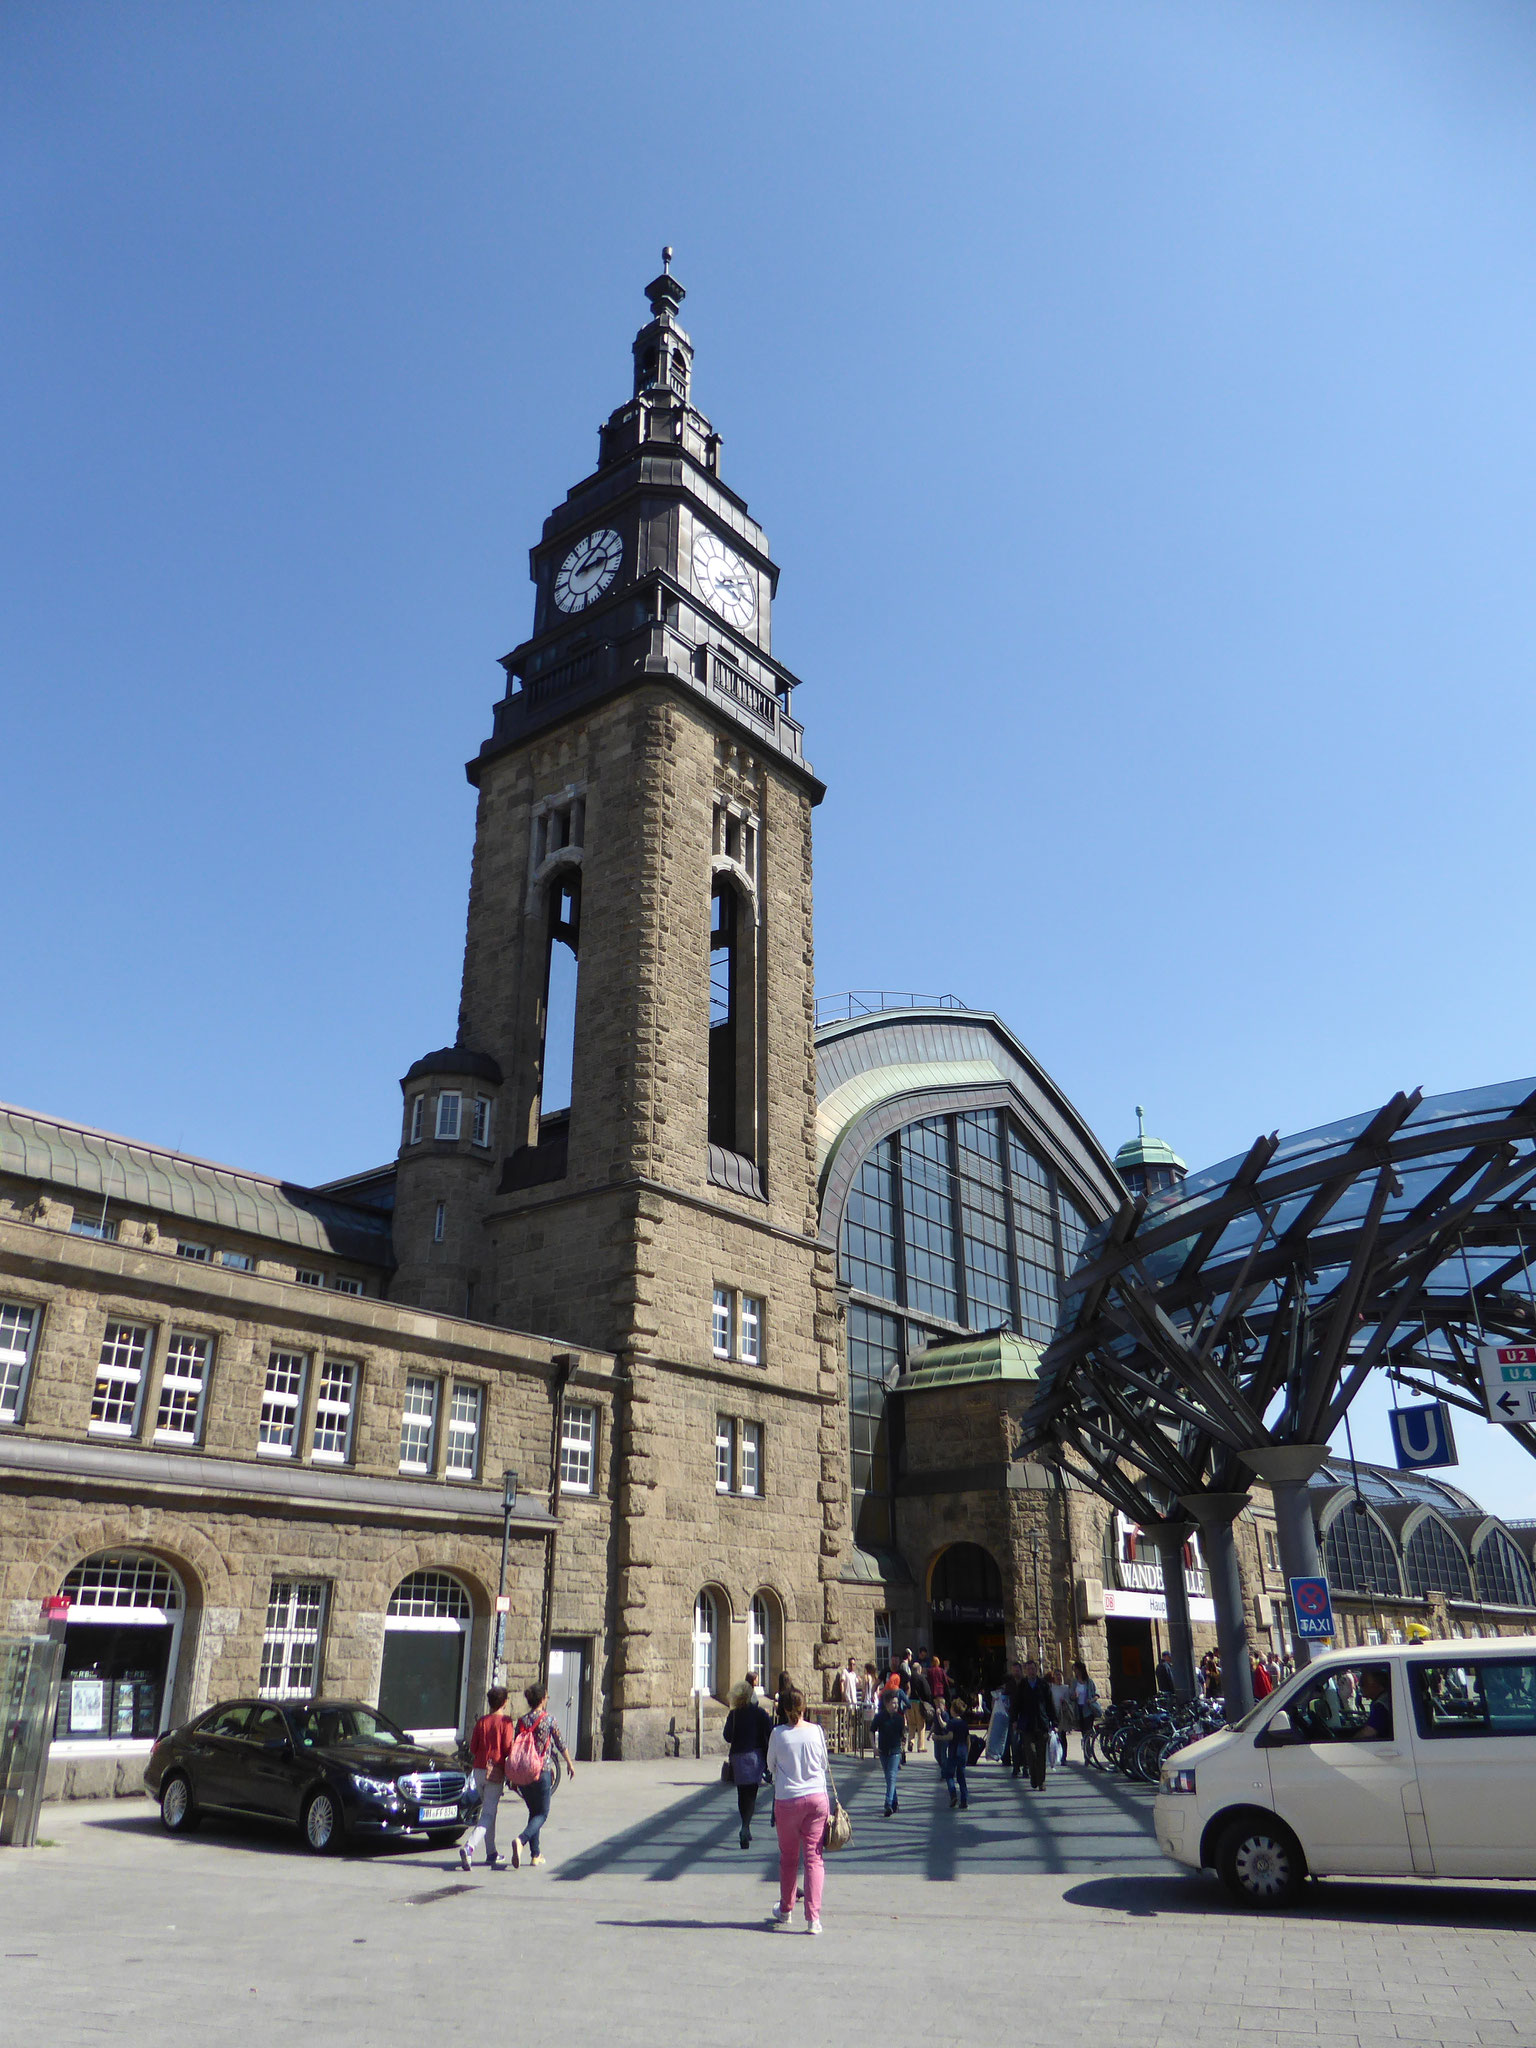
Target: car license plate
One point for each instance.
(429, 1814)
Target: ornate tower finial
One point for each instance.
(666, 260)
(1141, 1121)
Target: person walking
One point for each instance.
(540, 1728)
(919, 1705)
(850, 1692)
(489, 1741)
(783, 1693)
(1167, 1684)
(889, 1729)
(797, 1756)
(1263, 1684)
(747, 1729)
(952, 1727)
(1085, 1706)
(1033, 1719)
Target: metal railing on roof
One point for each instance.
(869, 1002)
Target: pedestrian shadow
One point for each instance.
(758, 1926)
(1503, 1908)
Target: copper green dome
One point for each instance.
(1144, 1151)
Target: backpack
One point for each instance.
(525, 1759)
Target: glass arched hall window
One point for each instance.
(1503, 1576)
(1358, 1554)
(1434, 1562)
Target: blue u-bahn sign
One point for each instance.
(1422, 1437)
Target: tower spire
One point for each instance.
(663, 352)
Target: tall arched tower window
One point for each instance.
(729, 1030)
(560, 977)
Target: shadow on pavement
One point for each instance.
(259, 1837)
(1333, 1898)
(762, 1925)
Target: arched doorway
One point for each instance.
(426, 1656)
(122, 1636)
(965, 1602)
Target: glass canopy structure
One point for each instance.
(1219, 1332)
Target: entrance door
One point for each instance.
(1131, 1663)
(426, 1639)
(570, 1668)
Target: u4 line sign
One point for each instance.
(1509, 1380)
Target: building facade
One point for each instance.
(686, 1332)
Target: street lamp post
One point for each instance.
(508, 1505)
(1034, 1557)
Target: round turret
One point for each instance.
(1148, 1166)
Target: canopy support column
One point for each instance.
(1286, 1470)
(1169, 1538)
(1215, 1513)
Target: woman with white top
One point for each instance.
(797, 1757)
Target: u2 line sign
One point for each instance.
(1509, 1381)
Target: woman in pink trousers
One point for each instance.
(797, 1757)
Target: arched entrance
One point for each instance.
(965, 1601)
(122, 1635)
(426, 1656)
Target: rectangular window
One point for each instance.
(241, 1262)
(281, 1401)
(308, 1277)
(18, 1329)
(578, 1442)
(119, 1379)
(463, 1431)
(724, 1449)
(1483, 1699)
(179, 1419)
(347, 1286)
(439, 1222)
(290, 1649)
(199, 1254)
(84, 1225)
(1271, 1550)
(332, 1440)
(722, 1322)
(751, 1330)
(448, 1115)
(482, 1119)
(418, 1107)
(418, 1425)
(751, 1475)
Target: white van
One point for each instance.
(1410, 1761)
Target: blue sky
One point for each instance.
(1137, 397)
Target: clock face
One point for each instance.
(725, 579)
(588, 570)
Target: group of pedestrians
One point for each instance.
(520, 1752)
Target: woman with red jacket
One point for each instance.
(489, 1742)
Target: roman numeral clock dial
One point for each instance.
(588, 570)
(725, 579)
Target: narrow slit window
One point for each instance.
(418, 1117)
(724, 1448)
(751, 1476)
(482, 1129)
(722, 1017)
(721, 1326)
(558, 1056)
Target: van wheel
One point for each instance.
(178, 1814)
(1260, 1863)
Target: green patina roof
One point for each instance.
(855, 1098)
(1144, 1151)
(1000, 1356)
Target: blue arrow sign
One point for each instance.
(1313, 1609)
(1422, 1436)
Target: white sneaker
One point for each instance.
(813, 1927)
(466, 1858)
(781, 1918)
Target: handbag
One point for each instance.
(746, 1767)
(727, 1776)
(839, 1829)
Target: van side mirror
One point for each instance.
(1277, 1728)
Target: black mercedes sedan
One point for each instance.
(336, 1770)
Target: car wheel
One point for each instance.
(178, 1813)
(322, 1822)
(1260, 1863)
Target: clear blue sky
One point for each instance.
(1138, 399)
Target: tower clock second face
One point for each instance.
(588, 570)
(725, 579)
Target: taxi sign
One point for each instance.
(1313, 1608)
(1509, 1381)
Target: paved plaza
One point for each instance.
(1031, 1918)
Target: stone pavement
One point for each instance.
(1031, 1918)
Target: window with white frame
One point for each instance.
(119, 1379)
(449, 1104)
(725, 1448)
(883, 1655)
(308, 1277)
(723, 1318)
(199, 1254)
(418, 1115)
(18, 1332)
(183, 1385)
(482, 1125)
(760, 1640)
(290, 1649)
(705, 1631)
(335, 1400)
(749, 1476)
(343, 1285)
(418, 1424)
(281, 1401)
(751, 1329)
(578, 1447)
(82, 1224)
(463, 1460)
(242, 1262)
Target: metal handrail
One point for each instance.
(869, 1002)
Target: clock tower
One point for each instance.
(626, 1160)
